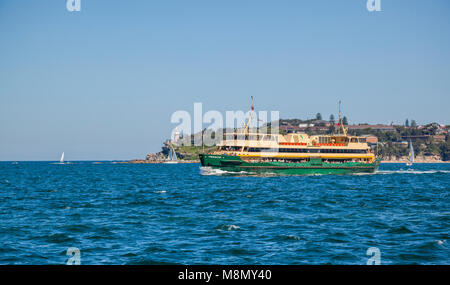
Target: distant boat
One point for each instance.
(411, 155)
(172, 156)
(62, 158)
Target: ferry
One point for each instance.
(293, 153)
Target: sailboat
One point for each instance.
(172, 156)
(411, 155)
(62, 158)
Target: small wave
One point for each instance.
(239, 251)
(129, 254)
(161, 191)
(143, 261)
(291, 237)
(59, 238)
(400, 230)
(227, 228)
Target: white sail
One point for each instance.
(62, 158)
(172, 154)
(172, 158)
(411, 152)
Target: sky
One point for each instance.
(102, 83)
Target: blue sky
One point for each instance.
(102, 83)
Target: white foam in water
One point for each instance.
(228, 228)
(411, 171)
(206, 170)
(232, 227)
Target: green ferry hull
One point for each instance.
(314, 166)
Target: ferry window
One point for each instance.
(362, 140)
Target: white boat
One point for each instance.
(172, 156)
(411, 155)
(62, 158)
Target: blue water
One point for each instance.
(172, 214)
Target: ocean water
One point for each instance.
(180, 214)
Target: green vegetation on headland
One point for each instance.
(431, 141)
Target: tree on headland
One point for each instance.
(445, 151)
(331, 129)
(413, 123)
(344, 121)
(318, 116)
(407, 123)
(332, 119)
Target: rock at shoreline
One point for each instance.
(418, 159)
